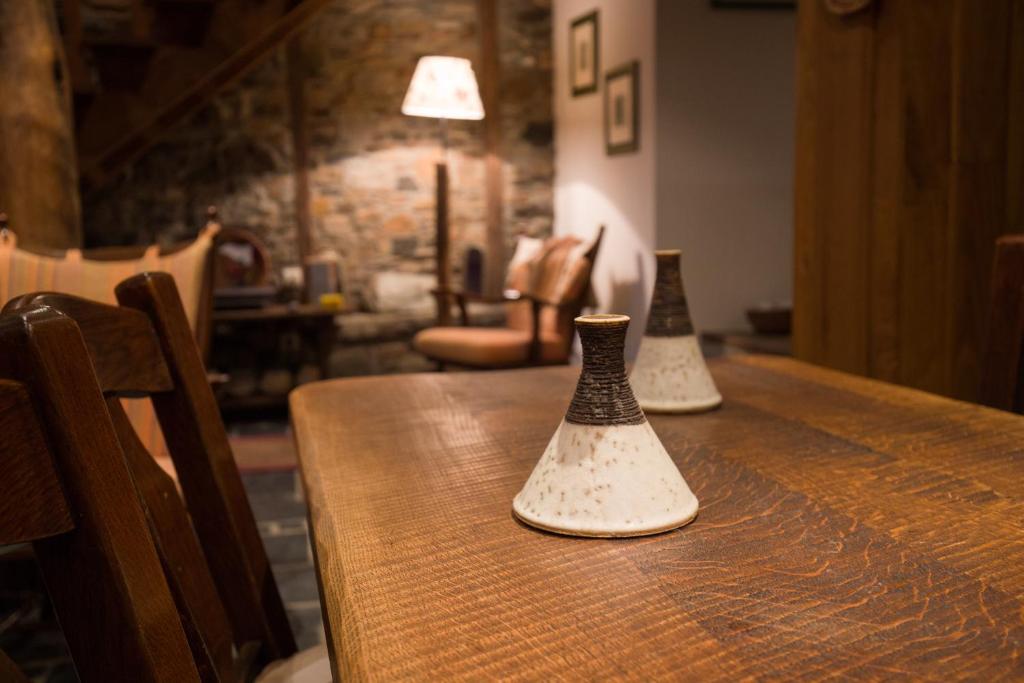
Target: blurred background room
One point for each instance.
(333, 202)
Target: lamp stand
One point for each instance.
(444, 304)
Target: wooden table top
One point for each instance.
(847, 528)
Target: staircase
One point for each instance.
(138, 67)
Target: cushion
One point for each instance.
(312, 665)
(526, 251)
(487, 346)
(554, 270)
(23, 272)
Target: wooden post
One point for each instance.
(38, 173)
(444, 312)
(300, 147)
(490, 75)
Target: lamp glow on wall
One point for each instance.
(443, 88)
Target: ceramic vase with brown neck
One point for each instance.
(670, 374)
(605, 472)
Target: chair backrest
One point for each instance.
(67, 489)
(93, 273)
(1002, 365)
(558, 271)
(144, 348)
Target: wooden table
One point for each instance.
(847, 528)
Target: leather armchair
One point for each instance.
(545, 293)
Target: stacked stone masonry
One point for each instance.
(371, 168)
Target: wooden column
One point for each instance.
(300, 146)
(490, 77)
(904, 177)
(444, 304)
(38, 174)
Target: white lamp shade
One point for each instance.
(443, 88)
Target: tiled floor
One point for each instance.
(280, 511)
(276, 499)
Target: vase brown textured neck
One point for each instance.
(603, 395)
(669, 315)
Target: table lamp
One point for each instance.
(443, 88)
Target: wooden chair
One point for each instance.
(1002, 365)
(67, 490)
(545, 293)
(93, 274)
(215, 594)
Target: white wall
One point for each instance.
(592, 188)
(714, 173)
(725, 122)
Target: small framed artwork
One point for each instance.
(622, 109)
(583, 56)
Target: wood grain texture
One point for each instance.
(202, 614)
(32, 503)
(122, 344)
(103, 577)
(38, 174)
(848, 528)
(907, 169)
(210, 481)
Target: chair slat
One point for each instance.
(104, 577)
(32, 504)
(209, 477)
(202, 613)
(1002, 369)
(124, 349)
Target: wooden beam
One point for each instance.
(490, 77)
(300, 146)
(38, 175)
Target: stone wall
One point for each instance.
(371, 168)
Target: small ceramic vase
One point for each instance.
(670, 375)
(604, 472)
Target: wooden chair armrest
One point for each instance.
(505, 297)
(538, 303)
(462, 298)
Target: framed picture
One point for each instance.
(583, 57)
(622, 109)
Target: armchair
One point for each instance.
(545, 290)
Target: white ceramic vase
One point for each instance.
(605, 472)
(670, 375)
